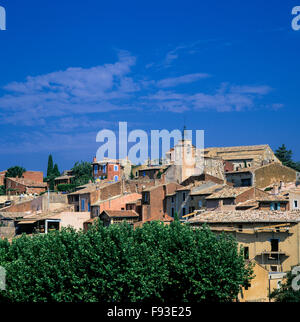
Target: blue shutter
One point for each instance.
(82, 204)
(272, 206)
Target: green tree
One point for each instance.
(15, 172)
(66, 187)
(286, 293)
(83, 173)
(55, 171)
(52, 173)
(176, 217)
(50, 166)
(2, 191)
(285, 156)
(156, 262)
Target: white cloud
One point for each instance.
(185, 79)
(224, 99)
(64, 100)
(72, 91)
(262, 90)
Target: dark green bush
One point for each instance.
(155, 262)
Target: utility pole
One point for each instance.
(48, 201)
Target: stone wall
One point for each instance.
(273, 173)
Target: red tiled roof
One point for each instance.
(121, 213)
(28, 183)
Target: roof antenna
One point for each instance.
(184, 129)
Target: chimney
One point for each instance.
(94, 159)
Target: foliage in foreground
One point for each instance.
(286, 293)
(155, 262)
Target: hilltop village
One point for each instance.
(244, 190)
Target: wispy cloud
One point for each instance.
(225, 99)
(185, 79)
(72, 91)
(262, 90)
(66, 101)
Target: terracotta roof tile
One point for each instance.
(246, 216)
(228, 192)
(121, 213)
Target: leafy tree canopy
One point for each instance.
(285, 156)
(2, 191)
(117, 263)
(83, 172)
(66, 187)
(15, 172)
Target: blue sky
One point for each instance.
(69, 69)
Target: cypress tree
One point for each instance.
(50, 166)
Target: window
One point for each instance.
(104, 169)
(183, 212)
(246, 182)
(183, 196)
(95, 168)
(200, 203)
(274, 245)
(116, 178)
(82, 204)
(246, 252)
(275, 206)
(146, 197)
(172, 212)
(295, 204)
(192, 198)
(116, 167)
(172, 199)
(228, 201)
(240, 227)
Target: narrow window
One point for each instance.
(246, 252)
(183, 196)
(274, 245)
